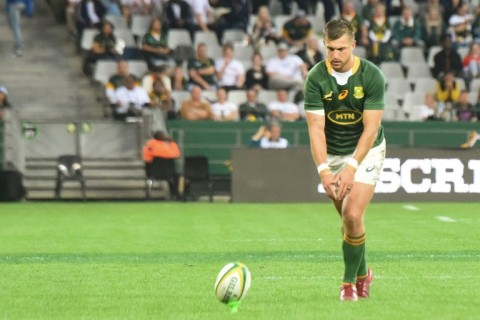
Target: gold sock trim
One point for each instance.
(354, 241)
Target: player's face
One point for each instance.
(340, 53)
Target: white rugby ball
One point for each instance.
(233, 282)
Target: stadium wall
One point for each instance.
(216, 139)
(409, 174)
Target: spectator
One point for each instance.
(447, 60)
(230, 72)
(269, 137)
(14, 9)
(161, 72)
(161, 146)
(104, 47)
(286, 71)
(154, 44)
(287, 6)
(252, 110)
(117, 80)
(450, 8)
(282, 109)
(256, 76)
(428, 110)
(464, 110)
(379, 34)
(131, 7)
(297, 30)
(434, 26)
(179, 15)
(130, 99)
(161, 99)
(178, 80)
(471, 62)
(4, 104)
(201, 14)
(264, 29)
(407, 31)
(476, 25)
(71, 17)
(447, 92)
(256, 5)
(236, 18)
(311, 54)
(222, 109)
(201, 69)
(368, 10)
(461, 26)
(350, 14)
(90, 14)
(196, 108)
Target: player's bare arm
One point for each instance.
(318, 146)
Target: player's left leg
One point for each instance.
(353, 246)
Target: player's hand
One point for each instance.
(329, 185)
(344, 182)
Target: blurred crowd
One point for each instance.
(244, 60)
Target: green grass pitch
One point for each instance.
(159, 260)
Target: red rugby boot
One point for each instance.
(363, 284)
(348, 292)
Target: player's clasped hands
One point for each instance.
(337, 187)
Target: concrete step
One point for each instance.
(50, 68)
(93, 184)
(76, 194)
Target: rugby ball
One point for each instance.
(233, 282)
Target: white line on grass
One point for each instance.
(445, 219)
(411, 207)
(273, 240)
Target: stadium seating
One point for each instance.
(140, 24)
(207, 37)
(178, 37)
(392, 69)
(234, 36)
(118, 22)
(88, 35)
(424, 85)
(397, 87)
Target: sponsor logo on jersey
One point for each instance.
(358, 92)
(343, 94)
(344, 117)
(328, 96)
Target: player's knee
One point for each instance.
(352, 222)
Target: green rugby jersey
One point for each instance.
(344, 104)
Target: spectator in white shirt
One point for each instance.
(282, 109)
(230, 72)
(201, 14)
(130, 99)
(269, 137)
(461, 26)
(222, 109)
(286, 71)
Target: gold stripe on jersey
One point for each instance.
(356, 65)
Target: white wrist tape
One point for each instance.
(322, 166)
(353, 163)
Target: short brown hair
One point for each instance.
(336, 28)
